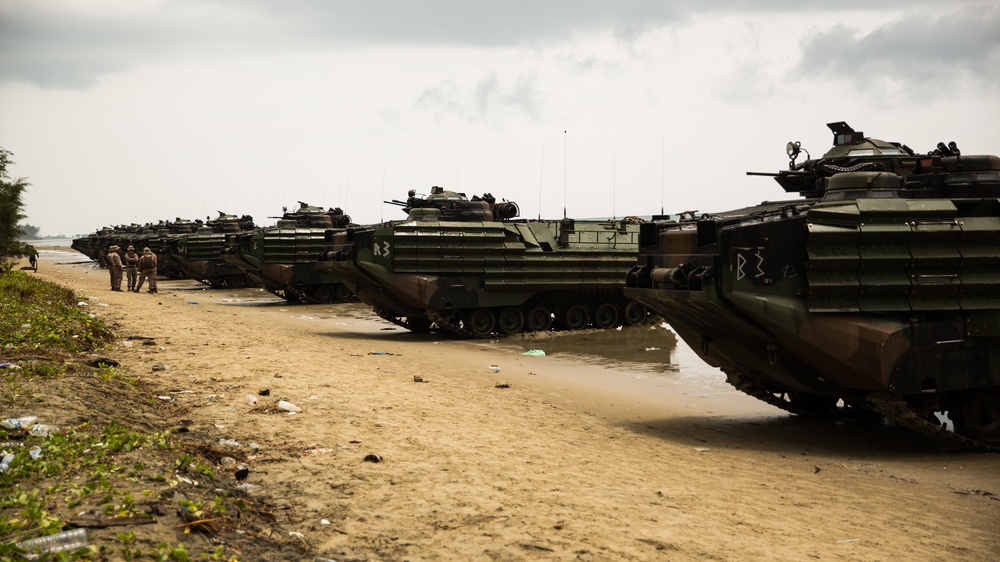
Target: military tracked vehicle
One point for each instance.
(470, 268)
(879, 288)
(94, 244)
(157, 238)
(282, 258)
(154, 236)
(199, 254)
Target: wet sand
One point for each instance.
(613, 446)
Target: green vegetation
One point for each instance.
(10, 209)
(140, 489)
(45, 318)
(28, 231)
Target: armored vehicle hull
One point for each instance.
(154, 236)
(466, 267)
(199, 254)
(157, 238)
(283, 258)
(93, 244)
(877, 291)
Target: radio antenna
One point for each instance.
(661, 175)
(564, 174)
(541, 175)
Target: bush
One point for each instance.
(42, 316)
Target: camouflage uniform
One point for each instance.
(131, 259)
(33, 257)
(147, 270)
(115, 268)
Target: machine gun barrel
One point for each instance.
(781, 173)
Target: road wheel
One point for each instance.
(634, 313)
(539, 319)
(343, 293)
(324, 293)
(481, 322)
(981, 415)
(575, 318)
(606, 316)
(236, 281)
(511, 321)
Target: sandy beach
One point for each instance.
(567, 456)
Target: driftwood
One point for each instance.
(101, 523)
(92, 362)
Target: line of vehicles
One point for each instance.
(874, 289)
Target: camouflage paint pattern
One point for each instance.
(282, 258)
(199, 254)
(456, 263)
(883, 285)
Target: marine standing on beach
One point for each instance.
(147, 270)
(115, 268)
(33, 257)
(131, 260)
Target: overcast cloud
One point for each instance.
(67, 43)
(123, 111)
(916, 52)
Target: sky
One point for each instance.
(133, 111)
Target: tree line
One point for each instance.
(11, 212)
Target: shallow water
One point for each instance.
(645, 351)
(59, 251)
(643, 345)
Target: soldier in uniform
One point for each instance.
(131, 259)
(33, 257)
(147, 270)
(115, 268)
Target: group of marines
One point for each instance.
(128, 263)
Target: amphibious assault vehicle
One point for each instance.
(880, 288)
(199, 254)
(94, 244)
(468, 267)
(154, 236)
(157, 238)
(282, 258)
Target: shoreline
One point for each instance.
(566, 463)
